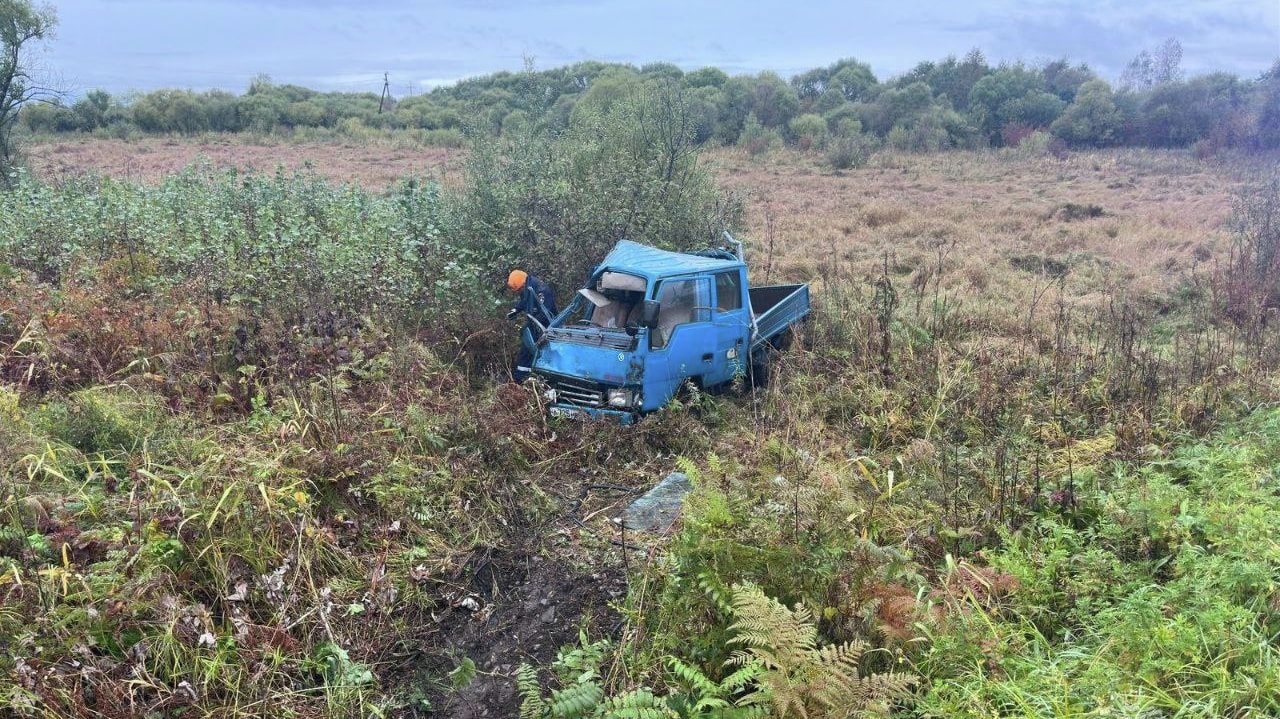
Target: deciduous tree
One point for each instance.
(1269, 114)
(1092, 120)
(1149, 70)
(1012, 94)
(21, 25)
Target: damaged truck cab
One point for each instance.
(650, 320)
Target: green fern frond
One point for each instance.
(703, 693)
(574, 661)
(532, 705)
(637, 704)
(693, 677)
(748, 672)
(709, 699)
(463, 674)
(714, 590)
(715, 465)
(686, 465)
(576, 701)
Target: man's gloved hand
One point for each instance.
(512, 314)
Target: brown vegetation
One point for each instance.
(1162, 216)
(372, 164)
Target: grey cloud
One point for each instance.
(1109, 44)
(207, 43)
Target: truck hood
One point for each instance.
(598, 364)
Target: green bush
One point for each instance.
(808, 131)
(1155, 594)
(95, 422)
(556, 202)
(849, 151)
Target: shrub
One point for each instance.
(555, 202)
(918, 137)
(95, 422)
(1038, 144)
(1250, 285)
(847, 152)
(811, 130)
(757, 139)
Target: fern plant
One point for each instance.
(583, 695)
(704, 697)
(532, 705)
(793, 674)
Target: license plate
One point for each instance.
(569, 412)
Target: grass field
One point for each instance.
(1152, 217)
(1014, 239)
(1021, 462)
(373, 164)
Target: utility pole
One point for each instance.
(386, 92)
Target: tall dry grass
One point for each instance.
(1162, 217)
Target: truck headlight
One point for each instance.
(621, 398)
(550, 395)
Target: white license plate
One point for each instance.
(567, 412)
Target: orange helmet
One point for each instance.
(515, 280)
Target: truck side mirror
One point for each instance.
(649, 313)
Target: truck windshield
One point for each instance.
(605, 313)
(596, 319)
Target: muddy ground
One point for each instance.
(523, 603)
(522, 608)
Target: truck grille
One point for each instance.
(611, 339)
(577, 392)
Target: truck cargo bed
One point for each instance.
(775, 308)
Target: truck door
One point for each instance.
(731, 323)
(681, 344)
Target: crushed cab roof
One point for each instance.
(653, 263)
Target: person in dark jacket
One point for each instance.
(537, 302)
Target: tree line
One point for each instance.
(843, 109)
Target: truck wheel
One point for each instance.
(758, 372)
(782, 341)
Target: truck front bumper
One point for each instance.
(574, 411)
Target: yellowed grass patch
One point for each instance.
(979, 216)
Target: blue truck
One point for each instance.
(649, 320)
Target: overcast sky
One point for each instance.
(122, 45)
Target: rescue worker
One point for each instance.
(535, 299)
